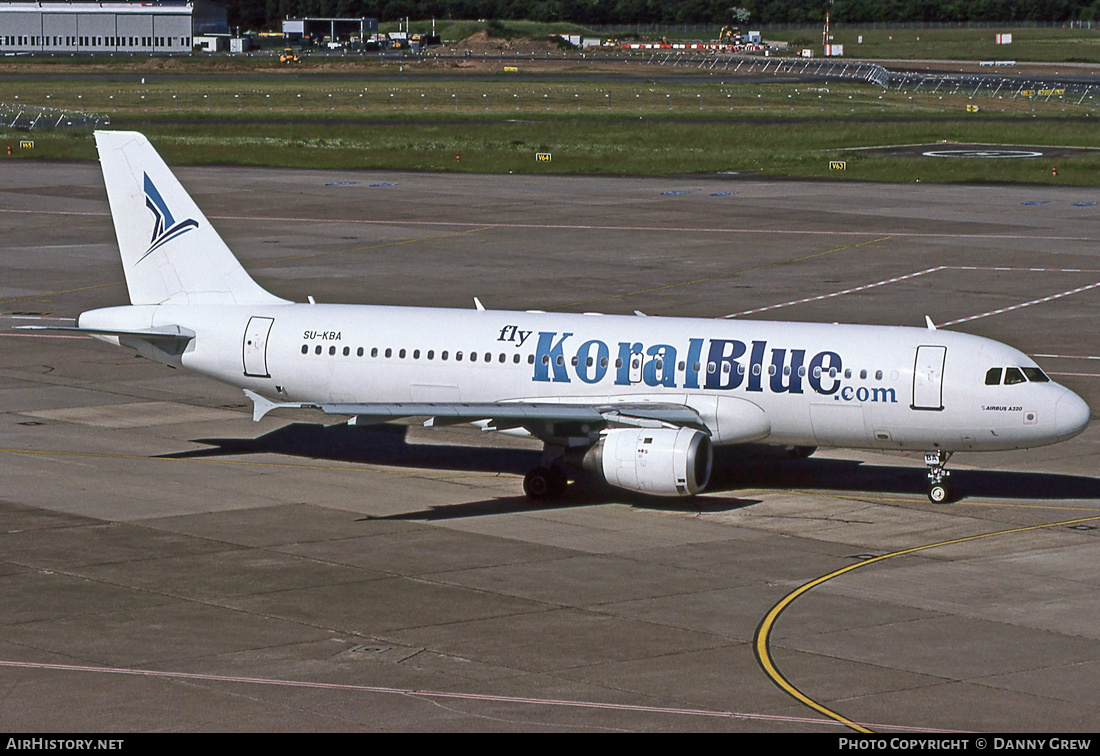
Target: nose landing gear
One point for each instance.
(940, 490)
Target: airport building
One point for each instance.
(75, 27)
(337, 31)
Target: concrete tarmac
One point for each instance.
(168, 565)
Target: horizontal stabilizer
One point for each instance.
(165, 333)
(165, 344)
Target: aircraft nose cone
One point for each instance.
(1071, 415)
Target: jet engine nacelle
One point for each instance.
(659, 462)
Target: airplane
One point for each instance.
(638, 401)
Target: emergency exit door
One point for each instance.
(255, 347)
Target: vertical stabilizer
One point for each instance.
(170, 252)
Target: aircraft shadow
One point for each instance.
(770, 468)
(387, 445)
(735, 469)
(373, 444)
(582, 493)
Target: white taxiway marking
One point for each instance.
(841, 293)
(415, 693)
(937, 269)
(1068, 356)
(40, 336)
(1051, 298)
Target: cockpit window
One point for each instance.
(1013, 376)
(993, 377)
(1035, 375)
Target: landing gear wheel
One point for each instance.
(940, 490)
(941, 493)
(537, 484)
(545, 483)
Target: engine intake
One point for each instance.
(659, 462)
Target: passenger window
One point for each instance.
(993, 377)
(443, 356)
(1035, 375)
(431, 354)
(401, 354)
(489, 357)
(863, 375)
(374, 352)
(389, 353)
(416, 354)
(878, 375)
(473, 356)
(458, 356)
(305, 349)
(359, 352)
(515, 358)
(332, 350)
(1013, 376)
(317, 350)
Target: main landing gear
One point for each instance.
(940, 490)
(545, 483)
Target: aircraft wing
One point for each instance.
(541, 419)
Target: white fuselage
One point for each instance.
(776, 382)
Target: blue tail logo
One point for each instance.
(165, 228)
